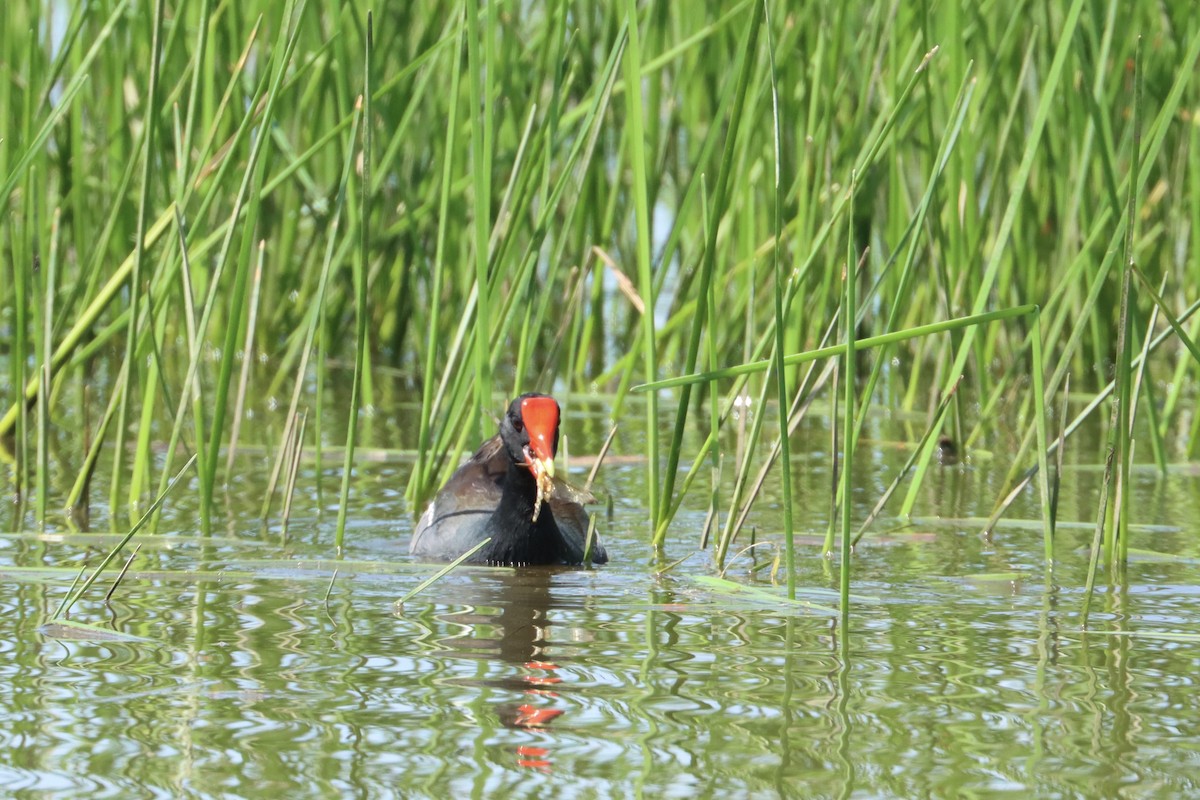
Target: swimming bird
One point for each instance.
(507, 491)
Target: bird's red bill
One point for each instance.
(541, 420)
(540, 415)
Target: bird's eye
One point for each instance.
(518, 424)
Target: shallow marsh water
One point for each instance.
(254, 664)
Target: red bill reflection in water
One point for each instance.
(533, 757)
(528, 716)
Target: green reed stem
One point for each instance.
(1172, 320)
(998, 253)
(1124, 428)
(934, 425)
(239, 406)
(360, 286)
(840, 349)
(1079, 419)
(849, 405)
(47, 348)
(425, 459)
(639, 187)
(333, 253)
(65, 102)
(152, 113)
(700, 318)
(481, 70)
(1043, 443)
(781, 382)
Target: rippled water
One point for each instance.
(245, 665)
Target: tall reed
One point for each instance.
(530, 211)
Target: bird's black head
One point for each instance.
(530, 432)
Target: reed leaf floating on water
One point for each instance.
(76, 593)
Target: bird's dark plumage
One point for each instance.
(495, 494)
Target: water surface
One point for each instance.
(253, 663)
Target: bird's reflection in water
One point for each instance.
(508, 614)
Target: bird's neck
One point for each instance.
(516, 537)
(519, 495)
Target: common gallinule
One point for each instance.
(507, 491)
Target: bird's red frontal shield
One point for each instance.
(540, 415)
